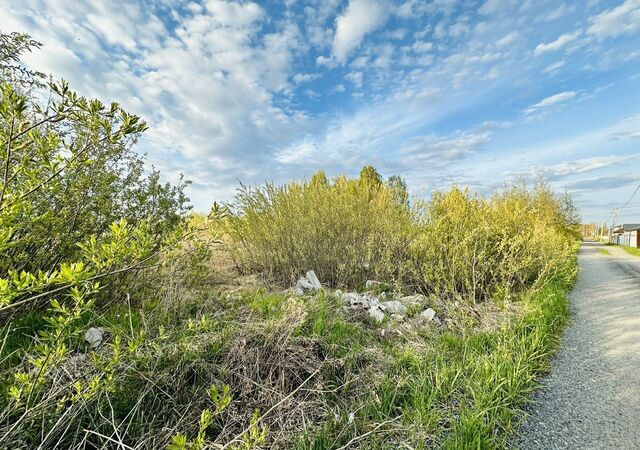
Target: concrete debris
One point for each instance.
(411, 301)
(395, 307)
(376, 314)
(94, 336)
(377, 306)
(308, 283)
(427, 315)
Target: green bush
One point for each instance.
(473, 248)
(346, 230)
(458, 246)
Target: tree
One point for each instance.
(398, 189)
(68, 169)
(370, 176)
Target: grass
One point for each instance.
(453, 389)
(631, 250)
(428, 387)
(603, 251)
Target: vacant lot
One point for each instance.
(128, 321)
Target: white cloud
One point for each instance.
(508, 39)
(578, 166)
(559, 43)
(434, 150)
(360, 18)
(550, 101)
(554, 66)
(300, 78)
(620, 20)
(490, 6)
(356, 78)
(422, 46)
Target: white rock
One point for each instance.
(413, 300)
(376, 314)
(397, 317)
(360, 303)
(349, 297)
(313, 279)
(427, 315)
(308, 283)
(395, 307)
(94, 336)
(375, 303)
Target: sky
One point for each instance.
(474, 93)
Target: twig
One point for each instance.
(108, 438)
(362, 436)
(272, 408)
(6, 164)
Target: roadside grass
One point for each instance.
(604, 251)
(631, 250)
(424, 387)
(453, 389)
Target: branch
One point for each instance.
(57, 172)
(7, 162)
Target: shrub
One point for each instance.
(68, 169)
(346, 230)
(472, 248)
(457, 245)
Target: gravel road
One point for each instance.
(591, 398)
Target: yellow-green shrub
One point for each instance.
(475, 248)
(345, 230)
(457, 245)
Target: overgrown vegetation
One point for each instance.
(457, 245)
(90, 241)
(631, 250)
(348, 231)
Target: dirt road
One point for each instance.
(591, 398)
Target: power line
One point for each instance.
(631, 198)
(615, 211)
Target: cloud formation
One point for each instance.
(559, 43)
(561, 97)
(440, 91)
(360, 18)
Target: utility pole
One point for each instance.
(615, 221)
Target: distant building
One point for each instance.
(626, 234)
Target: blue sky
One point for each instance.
(442, 92)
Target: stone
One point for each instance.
(427, 315)
(397, 317)
(376, 314)
(94, 336)
(307, 283)
(360, 303)
(395, 307)
(411, 301)
(375, 303)
(350, 297)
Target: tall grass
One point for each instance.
(456, 390)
